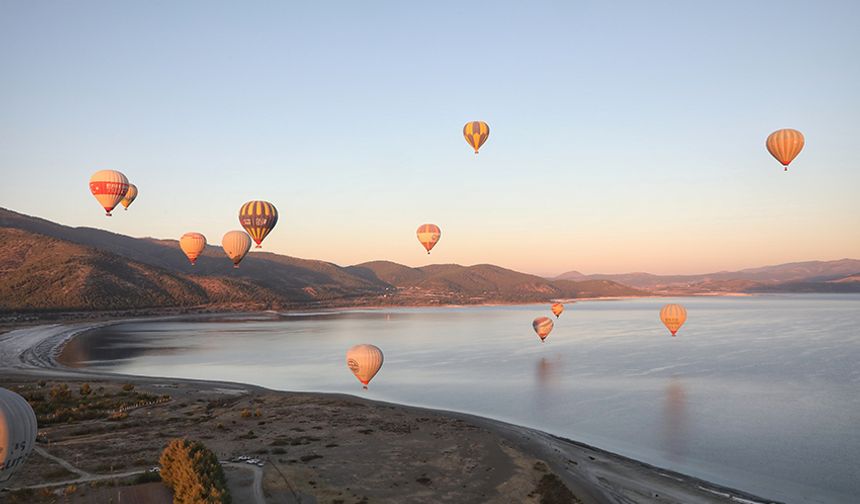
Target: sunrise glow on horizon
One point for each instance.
(621, 139)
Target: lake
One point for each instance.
(757, 393)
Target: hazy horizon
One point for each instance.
(624, 137)
(545, 275)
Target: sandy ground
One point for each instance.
(326, 448)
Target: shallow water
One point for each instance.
(759, 393)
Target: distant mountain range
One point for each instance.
(811, 276)
(51, 267)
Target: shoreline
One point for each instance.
(593, 474)
(14, 320)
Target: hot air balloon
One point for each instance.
(557, 308)
(192, 244)
(17, 433)
(542, 326)
(258, 218)
(130, 195)
(428, 235)
(785, 145)
(364, 361)
(673, 317)
(476, 133)
(109, 188)
(236, 245)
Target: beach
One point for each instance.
(318, 447)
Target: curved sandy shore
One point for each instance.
(593, 475)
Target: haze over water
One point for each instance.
(757, 393)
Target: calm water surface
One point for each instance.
(760, 393)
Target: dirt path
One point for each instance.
(257, 485)
(66, 464)
(87, 479)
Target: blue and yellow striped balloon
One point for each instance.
(258, 218)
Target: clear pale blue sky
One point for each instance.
(624, 135)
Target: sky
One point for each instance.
(624, 136)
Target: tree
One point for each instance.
(193, 473)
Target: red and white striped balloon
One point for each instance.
(109, 188)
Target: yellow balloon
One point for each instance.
(673, 317)
(236, 245)
(364, 361)
(476, 133)
(192, 244)
(557, 308)
(130, 196)
(542, 326)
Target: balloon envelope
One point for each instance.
(557, 308)
(258, 218)
(364, 361)
(542, 326)
(18, 430)
(785, 145)
(673, 317)
(192, 244)
(476, 133)
(109, 188)
(130, 195)
(236, 245)
(428, 235)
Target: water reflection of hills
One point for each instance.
(106, 346)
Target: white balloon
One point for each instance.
(364, 361)
(18, 430)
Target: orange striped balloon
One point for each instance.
(785, 145)
(542, 326)
(130, 196)
(476, 133)
(109, 188)
(258, 218)
(236, 245)
(557, 308)
(192, 244)
(428, 235)
(364, 361)
(673, 317)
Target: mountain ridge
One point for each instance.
(51, 267)
(803, 275)
(123, 272)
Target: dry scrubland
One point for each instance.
(335, 449)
